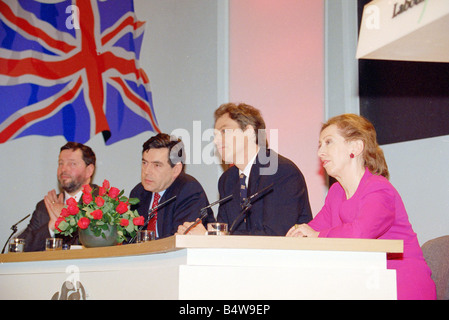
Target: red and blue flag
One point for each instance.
(71, 68)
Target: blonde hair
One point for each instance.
(354, 127)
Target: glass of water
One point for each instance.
(217, 229)
(16, 245)
(145, 235)
(52, 244)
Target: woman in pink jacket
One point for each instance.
(364, 204)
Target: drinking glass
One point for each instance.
(145, 235)
(217, 229)
(52, 244)
(16, 245)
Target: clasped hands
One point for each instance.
(302, 230)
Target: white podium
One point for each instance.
(207, 267)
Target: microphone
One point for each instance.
(258, 193)
(203, 213)
(151, 214)
(248, 204)
(14, 230)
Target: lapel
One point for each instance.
(254, 177)
(163, 213)
(144, 204)
(258, 181)
(160, 213)
(253, 182)
(235, 192)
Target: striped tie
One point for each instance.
(152, 222)
(243, 190)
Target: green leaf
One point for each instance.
(63, 226)
(133, 201)
(72, 221)
(125, 216)
(108, 207)
(130, 228)
(97, 232)
(88, 211)
(134, 213)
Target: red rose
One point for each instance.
(114, 192)
(58, 221)
(87, 198)
(97, 214)
(83, 223)
(99, 201)
(122, 207)
(124, 222)
(139, 221)
(101, 191)
(71, 202)
(73, 210)
(64, 212)
(87, 189)
(106, 184)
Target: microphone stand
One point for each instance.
(248, 204)
(151, 214)
(14, 230)
(203, 213)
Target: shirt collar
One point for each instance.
(161, 193)
(77, 196)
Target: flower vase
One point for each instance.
(89, 240)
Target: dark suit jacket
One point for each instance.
(37, 230)
(190, 199)
(273, 213)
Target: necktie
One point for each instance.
(152, 222)
(243, 190)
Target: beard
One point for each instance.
(71, 185)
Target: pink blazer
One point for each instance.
(376, 211)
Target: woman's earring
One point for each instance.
(351, 156)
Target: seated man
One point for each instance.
(162, 177)
(241, 140)
(76, 166)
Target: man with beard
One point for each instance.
(76, 166)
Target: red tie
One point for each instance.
(152, 222)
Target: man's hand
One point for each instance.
(54, 205)
(199, 229)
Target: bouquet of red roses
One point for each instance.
(98, 210)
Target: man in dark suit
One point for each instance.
(274, 210)
(162, 177)
(241, 141)
(76, 166)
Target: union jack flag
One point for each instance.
(71, 68)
